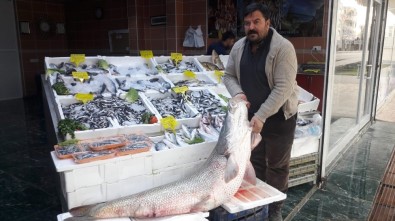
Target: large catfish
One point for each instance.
(212, 185)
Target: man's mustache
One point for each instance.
(252, 32)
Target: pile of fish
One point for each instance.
(141, 69)
(172, 105)
(210, 66)
(184, 136)
(157, 83)
(100, 112)
(172, 67)
(210, 126)
(102, 67)
(205, 102)
(194, 83)
(98, 84)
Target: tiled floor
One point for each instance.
(29, 184)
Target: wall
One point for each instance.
(36, 45)
(88, 34)
(10, 84)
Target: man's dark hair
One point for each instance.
(227, 35)
(257, 6)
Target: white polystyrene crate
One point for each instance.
(161, 78)
(164, 59)
(172, 174)
(221, 89)
(129, 186)
(192, 112)
(73, 180)
(181, 155)
(89, 60)
(128, 167)
(250, 196)
(174, 78)
(63, 216)
(205, 58)
(86, 196)
(309, 101)
(222, 102)
(224, 59)
(305, 145)
(123, 63)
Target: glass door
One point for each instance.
(352, 70)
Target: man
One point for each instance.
(262, 70)
(222, 47)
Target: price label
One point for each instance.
(80, 75)
(147, 54)
(84, 97)
(218, 75)
(190, 74)
(169, 123)
(77, 58)
(176, 56)
(180, 90)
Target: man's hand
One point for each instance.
(243, 97)
(256, 124)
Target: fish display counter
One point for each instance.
(131, 95)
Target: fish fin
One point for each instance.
(232, 168)
(249, 175)
(201, 205)
(255, 140)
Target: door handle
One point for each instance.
(368, 71)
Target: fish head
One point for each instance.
(238, 108)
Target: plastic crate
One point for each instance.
(220, 214)
(303, 159)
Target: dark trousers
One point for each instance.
(271, 157)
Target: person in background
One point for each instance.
(262, 70)
(222, 47)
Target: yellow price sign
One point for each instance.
(169, 123)
(147, 54)
(84, 97)
(77, 58)
(176, 56)
(180, 90)
(190, 74)
(218, 75)
(81, 75)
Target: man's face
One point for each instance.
(256, 26)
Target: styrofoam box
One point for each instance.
(205, 58)
(250, 196)
(113, 130)
(76, 176)
(305, 145)
(174, 78)
(89, 60)
(123, 63)
(147, 96)
(177, 156)
(165, 59)
(86, 196)
(224, 59)
(161, 78)
(129, 186)
(310, 101)
(190, 217)
(172, 174)
(221, 89)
